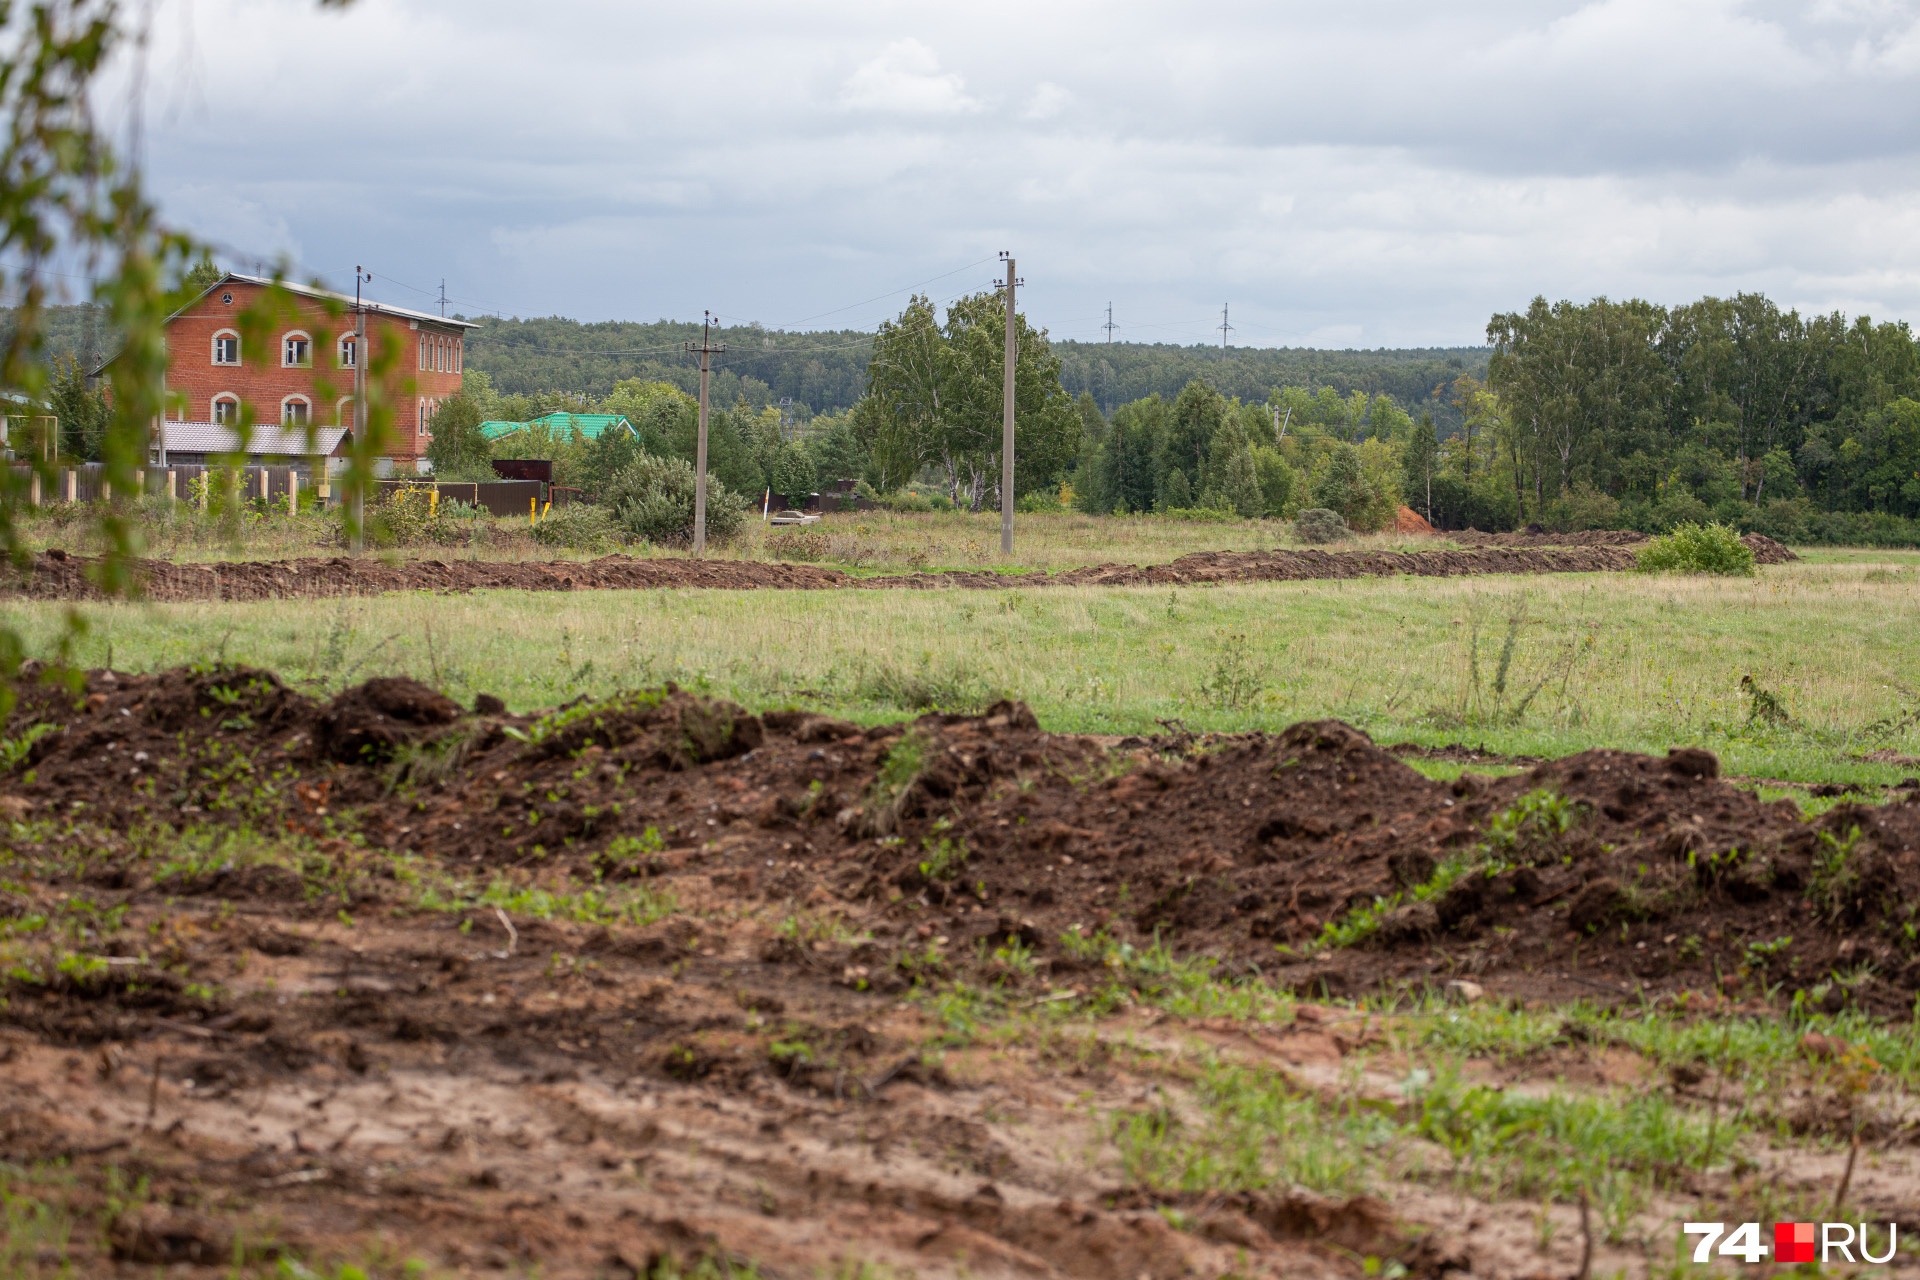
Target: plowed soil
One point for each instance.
(1765, 549)
(272, 987)
(56, 575)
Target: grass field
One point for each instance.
(1541, 666)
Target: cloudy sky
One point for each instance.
(1373, 173)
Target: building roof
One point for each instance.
(308, 291)
(267, 441)
(589, 425)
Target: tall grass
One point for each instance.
(1634, 662)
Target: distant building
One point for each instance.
(307, 377)
(563, 424)
(188, 444)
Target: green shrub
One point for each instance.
(410, 516)
(807, 545)
(580, 525)
(652, 498)
(1041, 502)
(1698, 548)
(906, 500)
(1318, 524)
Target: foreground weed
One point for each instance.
(1254, 1130)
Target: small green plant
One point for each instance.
(1698, 548)
(1766, 709)
(893, 782)
(627, 854)
(1835, 886)
(945, 858)
(1236, 681)
(13, 751)
(1534, 827)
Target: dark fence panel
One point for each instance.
(540, 469)
(509, 497)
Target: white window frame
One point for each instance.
(347, 353)
(287, 340)
(287, 403)
(226, 335)
(426, 414)
(228, 398)
(459, 350)
(423, 353)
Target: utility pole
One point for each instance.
(1006, 415)
(358, 498)
(786, 418)
(1109, 325)
(706, 351)
(1225, 328)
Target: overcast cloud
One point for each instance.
(1378, 173)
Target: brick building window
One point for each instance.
(423, 353)
(459, 350)
(226, 347)
(226, 410)
(343, 412)
(296, 351)
(296, 411)
(348, 353)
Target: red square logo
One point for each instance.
(1794, 1242)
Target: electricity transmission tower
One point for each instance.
(1225, 328)
(786, 418)
(706, 351)
(1109, 326)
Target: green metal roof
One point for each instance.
(561, 423)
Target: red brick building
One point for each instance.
(308, 373)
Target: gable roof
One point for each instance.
(560, 422)
(328, 295)
(267, 440)
(306, 291)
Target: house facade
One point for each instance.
(307, 377)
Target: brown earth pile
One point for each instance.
(1256, 842)
(1765, 549)
(56, 575)
(270, 1020)
(1407, 520)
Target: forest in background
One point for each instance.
(1577, 415)
(552, 361)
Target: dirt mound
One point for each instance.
(1765, 550)
(1253, 843)
(623, 981)
(368, 722)
(71, 577)
(1407, 520)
